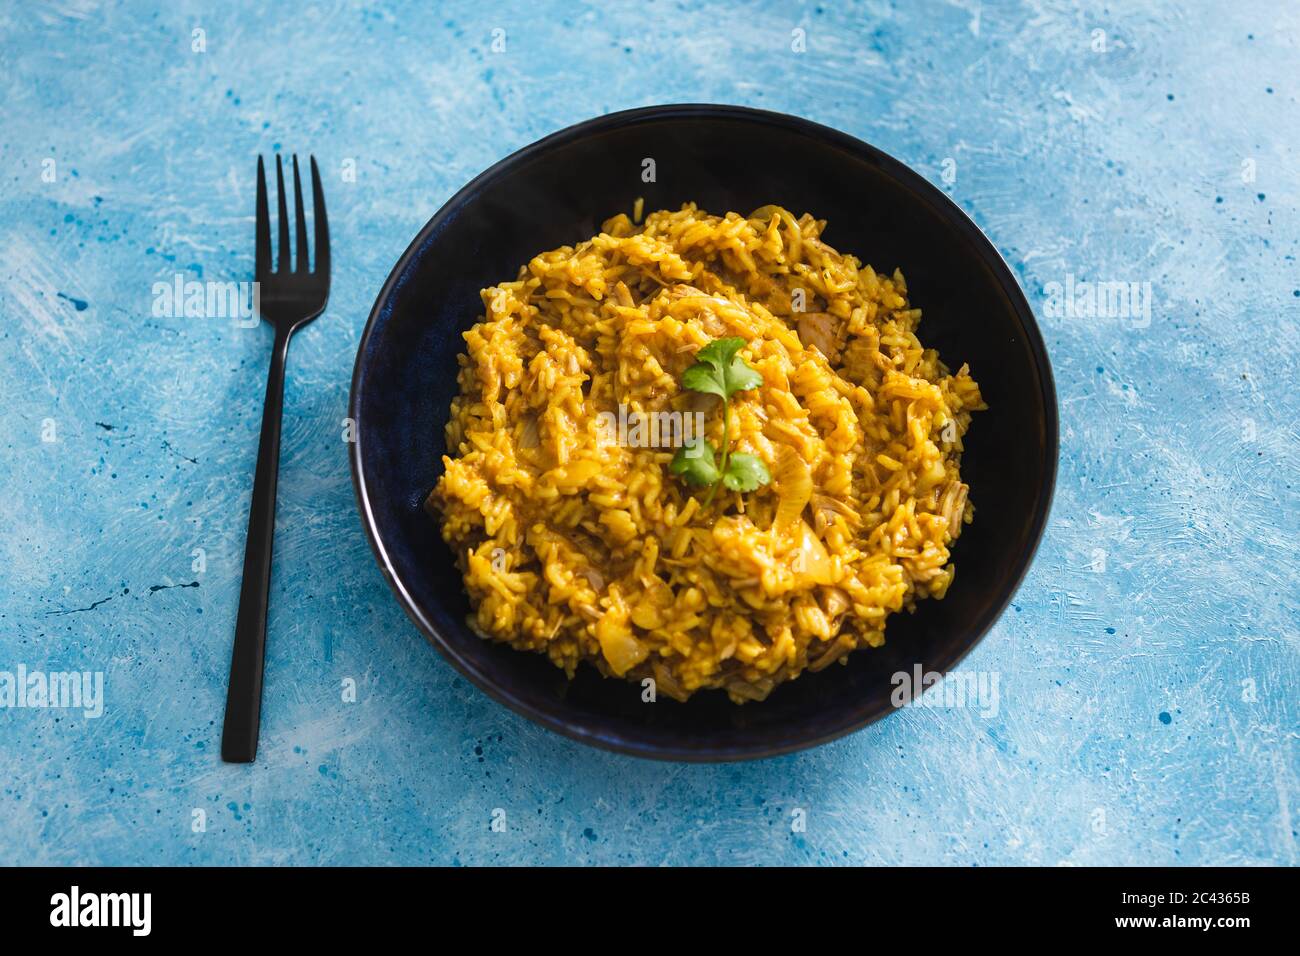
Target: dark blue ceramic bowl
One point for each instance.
(558, 191)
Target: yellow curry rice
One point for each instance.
(580, 547)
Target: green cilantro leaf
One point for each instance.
(720, 352)
(719, 370)
(703, 377)
(742, 378)
(695, 463)
(745, 472)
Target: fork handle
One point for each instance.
(244, 698)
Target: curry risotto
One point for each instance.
(581, 543)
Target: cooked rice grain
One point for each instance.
(580, 548)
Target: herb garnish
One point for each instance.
(718, 370)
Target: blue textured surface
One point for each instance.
(1149, 666)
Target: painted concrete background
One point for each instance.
(1148, 670)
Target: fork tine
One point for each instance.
(322, 223)
(300, 220)
(262, 263)
(282, 258)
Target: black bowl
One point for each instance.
(558, 191)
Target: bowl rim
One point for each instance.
(896, 169)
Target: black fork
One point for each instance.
(289, 299)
